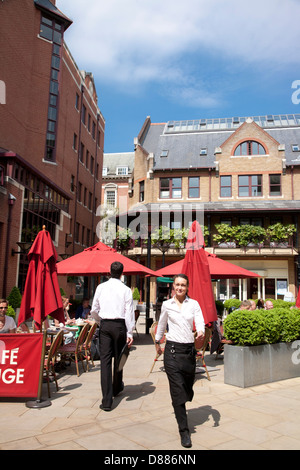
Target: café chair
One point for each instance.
(50, 359)
(75, 351)
(136, 317)
(200, 349)
(87, 345)
(153, 329)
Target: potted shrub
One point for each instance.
(136, 297)
(225, 236)
(235, 303)
(279, 234)
(15, 298)
(263, 349)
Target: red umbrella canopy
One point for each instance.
(195, 266)
(41, 295)
(97, 260)
(219, 269)
(298, 300)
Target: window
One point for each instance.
(52, 31)
(77, 229)
(225, 186)
(72, 188)
(203, 151)
(141, 191)
(194, 186)
(81, 152)
(295, 148)
(75, 141)
(77, 101)
(275, 185)
(170, 188)
(90, 201)
(79, 192)
(164, 153)
(256, 221)
(111, 198)
(1, 175)
(249, 147)
(83, 116)
(92, 165)
(104, 171)
(250, 186)
(122, 170)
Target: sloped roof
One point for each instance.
(48, 7)
(184, 147)
(113, 160)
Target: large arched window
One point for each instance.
(249, 147)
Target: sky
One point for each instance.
(175, 60)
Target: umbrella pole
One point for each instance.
(39, 402)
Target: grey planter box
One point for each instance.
(245, 366)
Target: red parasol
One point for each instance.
(97, 260)
(219, 269)
(196, 267)
(42, 295)
(298, 300)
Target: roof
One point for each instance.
(48, 7)
(192, 144)
(112, 161)
(240, 206)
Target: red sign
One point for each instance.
(20, 362)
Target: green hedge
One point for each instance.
(246, 327)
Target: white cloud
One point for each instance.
(137, 42)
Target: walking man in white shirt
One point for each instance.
(113, 307)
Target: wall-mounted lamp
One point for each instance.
(24, 246)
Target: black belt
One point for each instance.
(119, 320)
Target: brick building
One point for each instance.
(51, 139)
(238, 172)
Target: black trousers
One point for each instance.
(112, 339)
(180, 367)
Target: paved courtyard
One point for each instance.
(221, 417)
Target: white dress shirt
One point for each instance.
(180, 320)
(113, 300)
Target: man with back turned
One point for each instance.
(113, 307)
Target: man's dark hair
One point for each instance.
(116, 269)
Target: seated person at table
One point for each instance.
(7, 324)
(83, 310)
(66, 306)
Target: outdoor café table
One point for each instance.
(66, 329)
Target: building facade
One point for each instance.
(51, 139)
(238, 174)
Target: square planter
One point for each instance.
(246, 366)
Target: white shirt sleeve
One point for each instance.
(129, 313)
(162, 323)
(199, 320)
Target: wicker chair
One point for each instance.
(153, 329)
(50, 359)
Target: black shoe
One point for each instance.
(105, 408)
(185, 439)
(121, 390)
